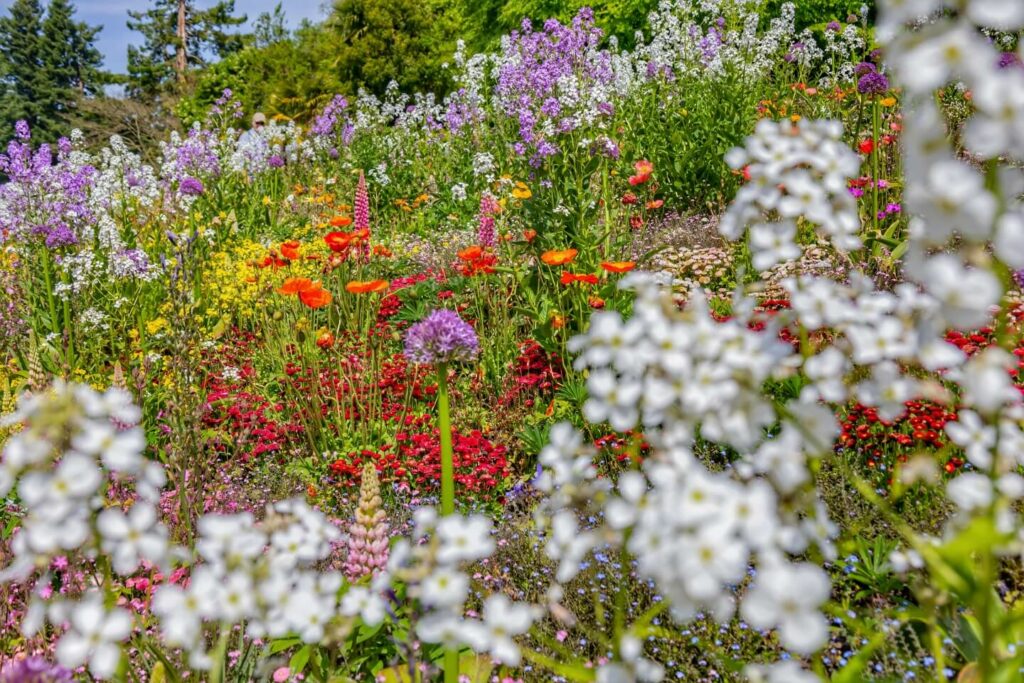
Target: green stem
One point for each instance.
(451, 656)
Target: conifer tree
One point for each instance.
(178, 36)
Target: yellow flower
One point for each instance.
(887, 101)
(267, 201)
(795, 117)
(521, 191)
(156, 326)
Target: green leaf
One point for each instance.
(299, 660)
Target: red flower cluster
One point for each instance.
(476, 260)
(883, 443)
(481, 467)
(535, 372)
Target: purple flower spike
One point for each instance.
(441, 337)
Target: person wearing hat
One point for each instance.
(249, 137)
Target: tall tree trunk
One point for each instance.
(181, 56)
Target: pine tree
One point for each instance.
(26, 91)
(178, 36)
(45, 64)
(70, 53)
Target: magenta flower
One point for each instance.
(441, 337)
(361, 211)
(485, 231)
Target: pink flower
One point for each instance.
(281, 674)
(368, 535)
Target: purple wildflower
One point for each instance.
(191, 186)
(872, 83)
(34, 670)
(864, 68)
(441, 337)
(22, 130)
(326, 122)
(1018, 277)
(275, 161)
(833, 26)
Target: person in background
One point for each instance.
(259, 122)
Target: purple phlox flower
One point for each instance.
(22, 130)
(326, 122)
(441, 337)
(34, 670)
(191, 186)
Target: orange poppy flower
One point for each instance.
(381, 250)
(315, 297)
(471, 253)
(357, 287)
(338, 241)
(655, 204)
(529, 234)
(595, 302)
(644, 169)
(290, 249)
(569, 278)
(618, 266)
(559, 257)
(296, 285)
(324, 339)
(340, 221)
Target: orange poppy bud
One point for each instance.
(315, 297)
(357, 287)
(618, 266)
(559, 257)
(295, 285)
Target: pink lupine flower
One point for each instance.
(368, 535)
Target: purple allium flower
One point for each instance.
(864, 68)
(872, 83)
(833, 26)
(361, 208)
(191, 186)
(34, 670)
(441, 337)
(275, 161)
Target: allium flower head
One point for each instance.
(872, 83)
(441, 337)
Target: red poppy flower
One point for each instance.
(569, 278)
(290, 249)
(296, 285)
(866, 146)
(338, 241)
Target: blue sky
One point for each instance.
(115, 37)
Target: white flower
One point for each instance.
(612, 398)
(772, 243)
(133, 537)
(1009, 241)
(93, 638)
(787, 597)
(369, 605)
(974, 436)
(445, 587)
(502, 620)
(464, 538)
(970, 491)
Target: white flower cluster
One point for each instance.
(797, 171)
(429, 567)
(262, 575)
(75, 438)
